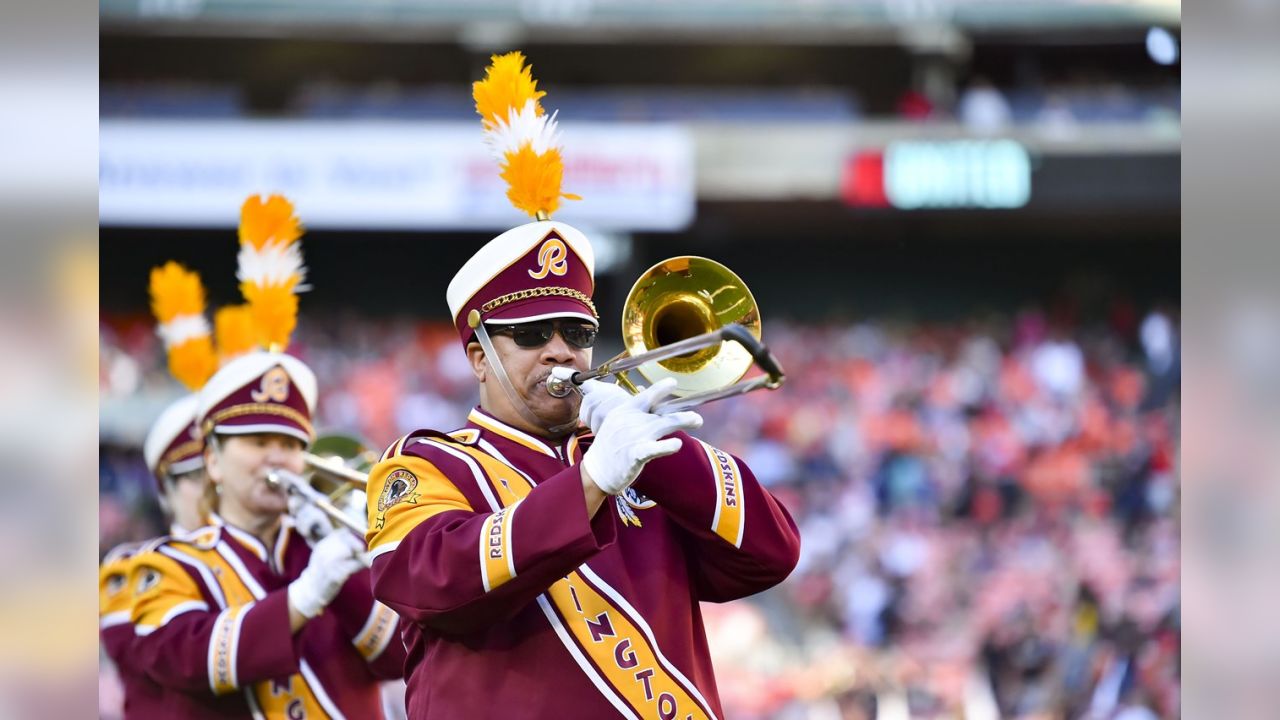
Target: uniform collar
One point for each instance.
(488, 424)
(250, 542)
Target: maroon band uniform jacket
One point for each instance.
(142, 697)
(516, 605)
(211, 619)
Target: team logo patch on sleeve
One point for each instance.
(150, 578)
(401, 486)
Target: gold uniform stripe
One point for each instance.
(292, 698)
(729, 518)
(235, 411)
(224, 643)
(621, 651)
(497, 565)
(233, 588)
(493, 427)
(377, 631)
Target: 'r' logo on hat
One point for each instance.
(273, 388)
(553, 258)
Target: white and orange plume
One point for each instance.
(521, 135)
(270, 267)
(178, 302)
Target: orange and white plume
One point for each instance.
(234, 332)
(270, 267)
(521, 135)
(178, 303)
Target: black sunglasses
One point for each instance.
(537, 333)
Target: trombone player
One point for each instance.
(546, 569)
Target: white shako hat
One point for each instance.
(260, 392)
(538, 270)
(174, 445)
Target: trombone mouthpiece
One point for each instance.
(560, 382)
(273, 479)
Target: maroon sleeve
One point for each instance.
(370, 626)
(438, 575)
(193, 652)
(741, 539)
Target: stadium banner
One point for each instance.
(381, 174)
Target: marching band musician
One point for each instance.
(243, 618)
(543, 569)
(174, 454)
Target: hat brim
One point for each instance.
(256, 425)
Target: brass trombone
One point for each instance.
(693, 319)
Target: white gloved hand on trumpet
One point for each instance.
(334, 559)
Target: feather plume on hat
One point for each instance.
(178, 303)
(270, 267)
(234, 332)
(521, 135)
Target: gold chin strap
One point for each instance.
(500, 372)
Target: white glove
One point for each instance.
(309, 519)
(630, 436)
(334, 559)
(598, 400)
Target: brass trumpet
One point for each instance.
(692, 319)
(338, 466)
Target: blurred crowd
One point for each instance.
(988, 509)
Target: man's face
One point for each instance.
(529, 368)
(240, 465)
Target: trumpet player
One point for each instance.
(544, 568)
(242, 618)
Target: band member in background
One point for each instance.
(174, 453)
(242, 618)
(541, 570)
(175, 456)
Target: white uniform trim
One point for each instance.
(322, 696)
(235, 640)
(543, 316)
(214, 588)
(262, 428)
(494, 425)
(489, 448)
(251, 541)
(592, 674)
(383, 549)
(113, 619)
(180, 608)
(243, 572)
(476, 472)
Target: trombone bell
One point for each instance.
(684, 297)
